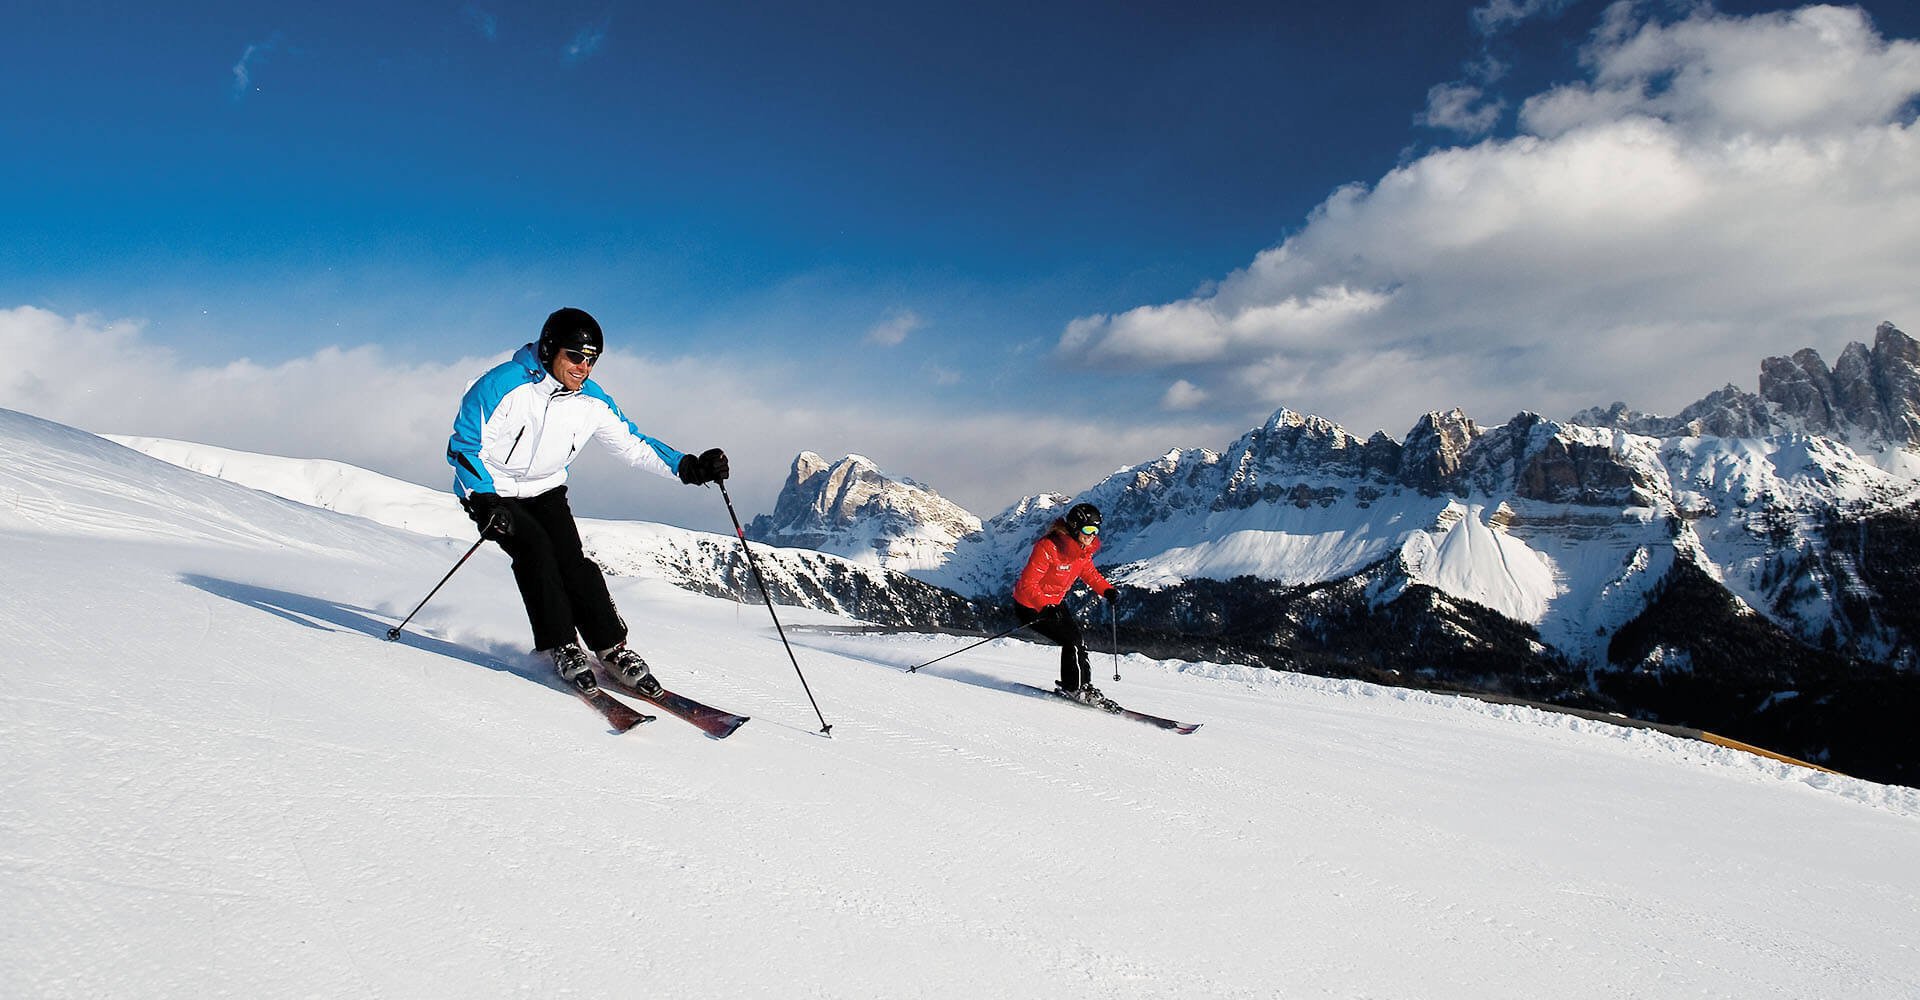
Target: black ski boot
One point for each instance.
(627, 665)
(570, 661)
(1086, 694)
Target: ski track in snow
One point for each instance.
(219, 781)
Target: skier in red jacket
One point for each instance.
(1062, 556)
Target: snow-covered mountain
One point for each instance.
(1560, 526)
(852, 509)
(221, 782)
(1300, 537)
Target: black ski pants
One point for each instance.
(1053, 622)
(562, 589)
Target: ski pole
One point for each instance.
(963, 649)
(394, 632)
(1113, 619)
(825, 729)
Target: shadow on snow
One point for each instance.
(332, 616)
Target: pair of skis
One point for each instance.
(720, 725)
(1183, 728)
(715, 723)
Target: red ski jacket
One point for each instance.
(1058, 560)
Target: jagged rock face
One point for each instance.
(1292, 445)
(1854, 396)
(1895, 373)
(1870, 397)
(1265, 465)
(1563, 472)
(852, 509)
(1431, 458)
(1534, 458)
(1800, 386)
(1729, 412)
(1726, 412)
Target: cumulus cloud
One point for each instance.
(392, 413)
(1715, 189)
(893, 331)
(1809, 72)
(1183, 395)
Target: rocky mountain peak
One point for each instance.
(851, 508)
(1533, 458)
(1729, 412)
(1895, 373)
(1871, 396)
(1800, 387)
(1431, 457)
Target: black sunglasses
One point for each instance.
(580, 357)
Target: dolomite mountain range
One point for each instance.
(1741, 564)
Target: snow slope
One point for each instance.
(1488, 567)
(696, 560)
(218, 781)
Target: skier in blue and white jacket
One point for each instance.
(519, 427)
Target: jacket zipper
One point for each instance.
(513, 447)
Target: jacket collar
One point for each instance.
(528, 358)
(1059, 527)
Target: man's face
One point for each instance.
(572, 366)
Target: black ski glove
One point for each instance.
(491, 514)
(1112, 596)
(709, 466)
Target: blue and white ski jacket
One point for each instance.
(519, 428)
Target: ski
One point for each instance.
(712, 721)
(1183, 728)
(619, 714)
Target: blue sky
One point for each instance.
(689, 163)
(997, 248)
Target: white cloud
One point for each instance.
(585, 42)
(1718, 189)
(392, 413)
(243, 69)
(1183, 395)
(1812, 71)
(893, 331)
(1462, 108)
(1223, 327)
(1497, 16)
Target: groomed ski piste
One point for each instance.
(220, 781)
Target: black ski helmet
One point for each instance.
(569, 328)
(1082, 515)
